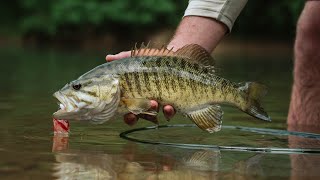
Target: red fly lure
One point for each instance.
(61, 127)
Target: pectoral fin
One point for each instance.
(148, 117)
(139, 106)
(208, 118)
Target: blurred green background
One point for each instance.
(104, 22)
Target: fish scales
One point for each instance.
(184, 79)
(161, 79)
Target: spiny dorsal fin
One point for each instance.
(193, 53)
(196, 54)
(147, 51)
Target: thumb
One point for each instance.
(121, 55)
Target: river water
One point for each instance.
(28, 149)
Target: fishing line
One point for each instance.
(126, 134)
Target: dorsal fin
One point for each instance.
(147, 51)
(196, 54)
(193, 53)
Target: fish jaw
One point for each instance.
(62, 114)
(65, 111)
(69, 109)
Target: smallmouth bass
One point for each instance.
(185, 79)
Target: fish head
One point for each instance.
(95, 99)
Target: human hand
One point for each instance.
(121, 55)
(131, 118)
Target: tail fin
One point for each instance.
(255, 92)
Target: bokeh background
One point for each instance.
(117, 24)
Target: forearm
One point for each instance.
(305, 99)
(206, 22)
(206, 32)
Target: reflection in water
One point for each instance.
(89, 165)
(60, 143)
(204, 160)
(83, 166)
(151, 165)
(304, 165)
(251, 165)
(162, 162)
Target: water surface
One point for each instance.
(28, 149)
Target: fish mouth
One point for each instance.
(62, 112)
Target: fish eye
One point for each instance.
(76, 86)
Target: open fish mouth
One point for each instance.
(62, 112)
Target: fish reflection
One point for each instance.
(251, 166)
(160, 164)
(83, 166)
(77, 164)
(80, 165)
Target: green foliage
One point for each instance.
(52, 17)
(48, 16)
(269, 18)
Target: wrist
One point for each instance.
(206, 32)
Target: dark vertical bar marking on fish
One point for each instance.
(128, 82)
(143, 83)
(144, 63)
(193, 86)
(179, 65)
(158, 62)
(207, 91)
(146, 81)
(165, 80)
(201, 92)
(174, 83)
(182, 63)
(196, 67)
(180, 79)
(224, 86)
(157, 84)
(137, 82)
(205, 70)
(167, 62)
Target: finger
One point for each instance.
(124, 54)
(130, 119)
(168, 112)
(154, 105)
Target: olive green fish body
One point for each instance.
(174, 81)
(185, 79)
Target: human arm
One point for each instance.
(200, 25)
(206, 32)
(206, 22)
